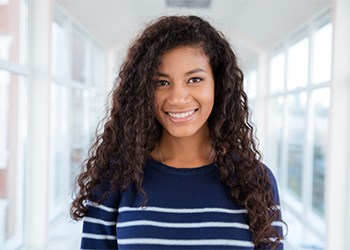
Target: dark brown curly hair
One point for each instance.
(131, 130)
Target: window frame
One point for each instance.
(301, 209)
(87, 89)
(19, 69)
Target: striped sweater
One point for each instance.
(186, 209)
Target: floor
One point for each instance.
(64, 234)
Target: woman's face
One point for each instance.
(185, 92)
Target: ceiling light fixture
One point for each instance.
(188, 3)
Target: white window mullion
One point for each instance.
(308, 142)
(39, 124)
(284, 163)
(21, 157)
(14, 68)
(307, 166)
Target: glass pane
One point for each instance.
(277, 73)
(78, 50)
(252, 115)
(322, 54)
(274, 133)
(297, 64)
(296, 128)
(320, 101)
(13, 31)
(97, 66)
(98, 81)
(80, 120)
(13, 124)
(59, 50)
(251, 84)
(60, 148)
(4, 112)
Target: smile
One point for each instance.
(181, 115)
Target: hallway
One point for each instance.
(58, 62)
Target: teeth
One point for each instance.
(181, 115)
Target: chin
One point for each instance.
(182, 133)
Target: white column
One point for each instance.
(39, 124)
(337, 171)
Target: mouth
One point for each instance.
(178, 117)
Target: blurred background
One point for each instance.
(58, 60)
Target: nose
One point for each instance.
(179, 94)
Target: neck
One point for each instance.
(184, 152)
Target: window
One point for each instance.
(13, 110)
(298, 112)
(13, 31)
(322, 54)
(251, 89)
(59, 172)
(13, 119)
(79, 57)
(80, 124)
(320, 101)
(252, 84)
(59, 49)
(4, 96)
(99, 82)
(78, 69)
(273, 154)
(297, 64)
(277, 73)
(295, 123)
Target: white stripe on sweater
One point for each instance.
(192, 242)
(98, 236)
(182, 210)
(277, 224)
(99, 221)
(181, 225)
(102, 207)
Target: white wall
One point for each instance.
(338, 173)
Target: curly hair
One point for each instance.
(131, 130)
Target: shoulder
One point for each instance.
(105, 194)
(269, 172)
(263, 172)
(260, 167)
(271, 177)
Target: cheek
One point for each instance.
(157, 105)
(208, 97)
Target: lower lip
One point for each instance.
(182, 119)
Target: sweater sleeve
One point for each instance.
(278, 223)
(99, 224)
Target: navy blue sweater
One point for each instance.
(186, 209)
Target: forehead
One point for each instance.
(183, 57)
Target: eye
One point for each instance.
(162, 83)
(195, 80)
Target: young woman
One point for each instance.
(176, 165)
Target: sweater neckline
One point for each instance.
(181, 171)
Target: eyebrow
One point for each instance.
(186, 74)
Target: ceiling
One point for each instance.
(251, 25)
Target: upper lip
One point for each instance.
(180, 112)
